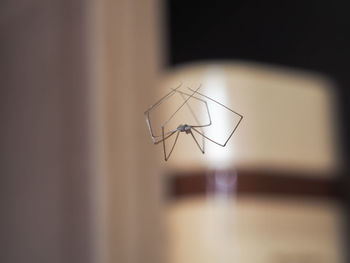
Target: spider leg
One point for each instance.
(155, 105)
(180, 106)
(196, 119)
(166, 136)
(166, 158)
(223, 145)
(194, 138)
(155, 137)
(200, 126)
(234, 129)
(206, 105)
(164, 124)
(177, 136)
(195, 91)
(165, 97)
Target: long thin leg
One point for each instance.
(223, 145)
(165, 97)
(166, 158)
(195, 91)
(196, 119)
(240, 119)
(206, 105)
(194, 138)
(164, 124)
(180, 106)
(199, 126)
(155, 138)
(147, 112)
(165, 137)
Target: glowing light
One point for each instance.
(216, 87)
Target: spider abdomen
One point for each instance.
(184, 128)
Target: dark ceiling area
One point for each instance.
(314, 35)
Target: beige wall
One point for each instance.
(254, 229)
(289, 117)
(131, 51)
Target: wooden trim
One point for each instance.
(182, 184)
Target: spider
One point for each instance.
(186, 128)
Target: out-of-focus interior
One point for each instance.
(270, 194)
(81, 180)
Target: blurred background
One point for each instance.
(80, 179)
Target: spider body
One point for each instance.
(184, 128)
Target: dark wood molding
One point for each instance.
(263, 182)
